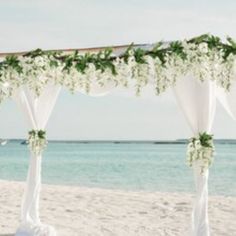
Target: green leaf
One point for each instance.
(35, 53)
(139, 56)
(13, 62)
(231, 42)
(41, 134)
(126, 54)
(176, 47)
(205, 139)
(199, 39)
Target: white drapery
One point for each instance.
(37, 111)
(198, 102)
(228, 99)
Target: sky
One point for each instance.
(31, 24)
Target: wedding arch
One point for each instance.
(200, 71)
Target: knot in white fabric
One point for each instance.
(201, 149)
(37, 141)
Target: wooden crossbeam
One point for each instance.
(116, 49)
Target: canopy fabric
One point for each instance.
(198, 102)
(37, 111)
(228, 100)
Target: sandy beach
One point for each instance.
(75, 211)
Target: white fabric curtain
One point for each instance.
(198, 101)
(37, 111)
(228, 99)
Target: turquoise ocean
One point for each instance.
(146, 166)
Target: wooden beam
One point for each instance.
(83, 50)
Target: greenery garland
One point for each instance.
(37, 141)
(205, 56)
(201, 149)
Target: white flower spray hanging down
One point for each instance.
(201, 149)
(37, 141)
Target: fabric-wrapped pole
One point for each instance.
(37, 111)
(198, 101)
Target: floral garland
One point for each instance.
(206, 57)
(201, 149)
(37, 141)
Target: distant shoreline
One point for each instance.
(178, 141)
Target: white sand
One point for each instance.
(83, 211)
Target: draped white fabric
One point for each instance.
(37, 111)
(228, 99)
(198, 101)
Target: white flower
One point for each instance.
(203, 47)
(6, 84)
(36, 143)
(40, 61)
(198, 153)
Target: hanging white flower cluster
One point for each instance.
(37, 141)
(141, 73)
(202, 62)
(167, 75)
(205, 57)
(227, 72)
(9, 80)
(35, 72)
(123, 70)
(201, 149)
(74, 80)
(38, 72)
